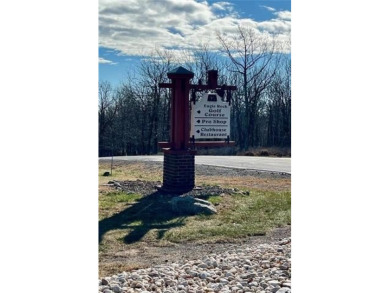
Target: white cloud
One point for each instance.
(286, 15)
(105, 61)
(222, 6)
(279, 25)
(268, 8)
(137, 27)
(276, 26)
(173, 55)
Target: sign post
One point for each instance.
(210, 118)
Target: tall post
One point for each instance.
(179, 160)
(180, 107)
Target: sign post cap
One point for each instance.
(180, 71)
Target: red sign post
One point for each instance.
(179, 158)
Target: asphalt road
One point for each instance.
(241, 162)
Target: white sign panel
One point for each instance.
(210, 117)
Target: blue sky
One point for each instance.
(131, 29)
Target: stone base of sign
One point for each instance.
(189, 205)
(179, 171)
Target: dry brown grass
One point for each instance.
(269, 184)
(123, 170)
(267, 152)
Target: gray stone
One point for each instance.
(116, 288)
(284, 267)
(223, 281)
(192, 206)
(284, 290)
(136, 284)
(274, 283)
(153, 274)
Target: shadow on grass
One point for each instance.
(150, 212)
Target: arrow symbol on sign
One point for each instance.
(197, 131)
(198, 111)
(198, 121)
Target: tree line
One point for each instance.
(134, 116)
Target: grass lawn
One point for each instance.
(126, 221)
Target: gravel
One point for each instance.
(252, 267)
(148, 187)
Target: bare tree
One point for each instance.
(279, 107)
(107, 111)
(153, 71)
(204, 60)
(253, 57)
